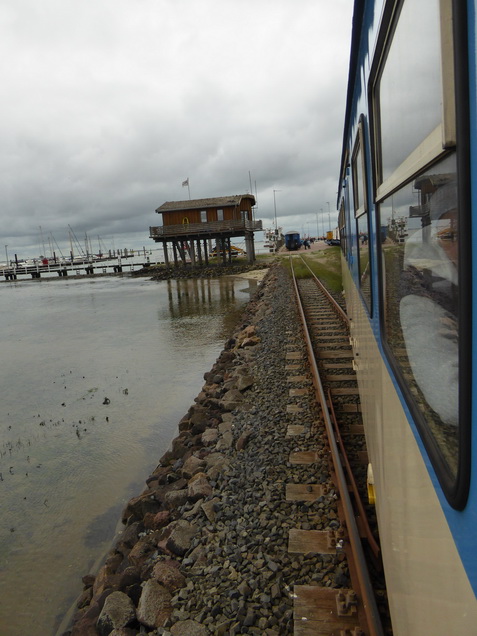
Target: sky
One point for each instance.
(108, 106)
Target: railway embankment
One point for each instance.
(204, 548)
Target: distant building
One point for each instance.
(197, 226)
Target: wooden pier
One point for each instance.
(88, 268)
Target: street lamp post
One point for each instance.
(322, 223)
(317, 230)
(6, 254)
(275, 208)
(329, 220)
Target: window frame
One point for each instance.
(443, 137)
(359, 185)
(358, 179)
(453, 133)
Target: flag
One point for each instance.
(185, 183)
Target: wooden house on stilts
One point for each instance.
(192, 227)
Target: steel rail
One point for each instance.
(341, 313)
(373, 544)
(359, 504)
(365, 587)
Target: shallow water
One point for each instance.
(95, 375)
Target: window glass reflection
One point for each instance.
(419, 231)
(364, 260)
(410, 88)
(358, 179)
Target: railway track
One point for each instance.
(353, 611)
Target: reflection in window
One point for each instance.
(420, 248)
(361, 214)
(364, 259)
(341, 226)
(410, 86)
(358, 184)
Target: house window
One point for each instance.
(220, 215)
(203, 216)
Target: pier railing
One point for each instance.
(62, 268)
(211, 228)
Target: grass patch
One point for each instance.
(325, 264)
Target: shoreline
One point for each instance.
(204, 546)
(156, 272)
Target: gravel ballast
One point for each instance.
(204, 549)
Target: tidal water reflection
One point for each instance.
(95, 376)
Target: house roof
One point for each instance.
(203, 204)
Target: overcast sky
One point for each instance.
(107, 106)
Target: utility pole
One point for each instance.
(275, 208)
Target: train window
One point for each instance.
(342, 226)
(412, 106)
(419, 230)
(421, 203)
(358, 172)
(361, 214)
(358, 176)
(364, 262)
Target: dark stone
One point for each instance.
(167, 574)
(181, 535)
(141, 551)
(137, 507)
(154, 607)
(118, 611)
(130, 576)
(88, 580)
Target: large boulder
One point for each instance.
(199, 487)
(137, 507)
(192, 466)
(181, 533)
(231, 400)
(209, 436)
(142, 550)
(167, 574)
(189, 628)
(118, 611)
(154, 606)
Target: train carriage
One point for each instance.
(407, 195)
(292, 241)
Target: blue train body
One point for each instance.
(407, 197)
(292, 241)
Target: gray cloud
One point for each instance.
(108, 106)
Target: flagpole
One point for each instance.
(186, 183)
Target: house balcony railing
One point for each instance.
(205, 229)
